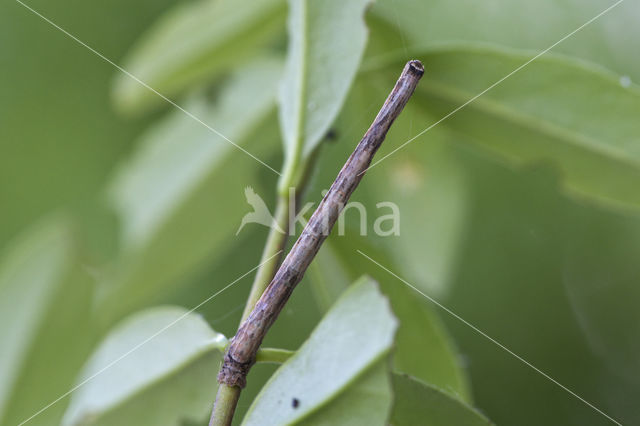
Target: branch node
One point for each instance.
(234, 373)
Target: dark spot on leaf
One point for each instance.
(331, 135)
(295, 402)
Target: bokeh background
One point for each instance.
(537, 249)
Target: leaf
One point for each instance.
(45, 297)
(169, 194)
(341, 352)
(192, 43)
(423, 347)
(418, 403)
(365, 401)
(601, 282)
(326, 43)
(156, 367)
(609, 40)
(552, 110)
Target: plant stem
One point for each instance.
(277, 240)
(273, 355)
(275, 243)
(225, 405)
(227, 397)
(241, 353)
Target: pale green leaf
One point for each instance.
(423, 347)
(353, 337)
(181, 195)
(192, 43)
(45, 296)
(552, 110)
(365, 402)
(418, 403)
(326, 43)
(156, 367)
(609, 40)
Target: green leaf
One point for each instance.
(192, 43)
(156, 367)
(45, 296)
(423, 347)
(418, 403)
(366, 401)
(180, 197)
(601, 281)
(552, 110)
(340, 354)
(326, 43)
(609, 40)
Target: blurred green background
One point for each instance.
(539, 249)
(48, 159)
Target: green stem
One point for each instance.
(290, 170)
(225, 405)
(275, 243)
(277, 240)
(273, 355)
(227, 397)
